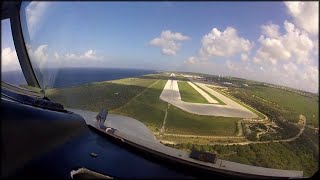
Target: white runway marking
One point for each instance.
(204, 94)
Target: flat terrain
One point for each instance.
(146, 107)
(94, 96)
(189, 94)
(203, 93)
(149, 109)
(171, 94)
(181, 122)
(212, 96)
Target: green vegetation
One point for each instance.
(291, 101)
(189, 94)
(280, 115)
(259, 114)
(131, 97)
(95, 96)
(181, 122)
(296, 155)
(149, 109)
(213, 97)
(146, 107)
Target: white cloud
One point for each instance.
(56, 55)
(70, 56)
(290, 67)
(291, 54)
(191, 60)
(305, 15)
(39, 56)
(225, 44)
(272, 50)
(40, 53)
(244, 57)
(168, 42)
(294, 45)
(311, 73)
(288, 57)
(9, 60)
(305, 77)
(271, 30)
(35, 15)
(88, 55)
(261, 68)
(43, 59)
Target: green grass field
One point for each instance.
(150, 110)
(147, 107)
(306, 105)
(181, 122)
(95, 96)
(189, 94)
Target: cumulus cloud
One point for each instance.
(56, 55)
(41, 52)
(305, 15)
(271, 30)
(311, 74)
(191, 60)
(168, 42)
(88, 55)
(35, 15)
(39, 56)
(287, 58)
(286, 55)
(305, 77)
(290, 67)
(244, 57)
(9, 60)
(225, 44)
(293, 45)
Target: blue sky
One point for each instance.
(171, 35)
(115, 28)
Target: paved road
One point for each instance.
(199, 136)
(171, 95)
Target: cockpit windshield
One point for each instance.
(235, 79)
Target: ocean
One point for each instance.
(66, 77)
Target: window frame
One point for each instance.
(14, 16)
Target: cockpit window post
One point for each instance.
(20, 47)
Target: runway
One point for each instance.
(171, 95)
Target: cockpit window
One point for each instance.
(238, 79)
(10, 67)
